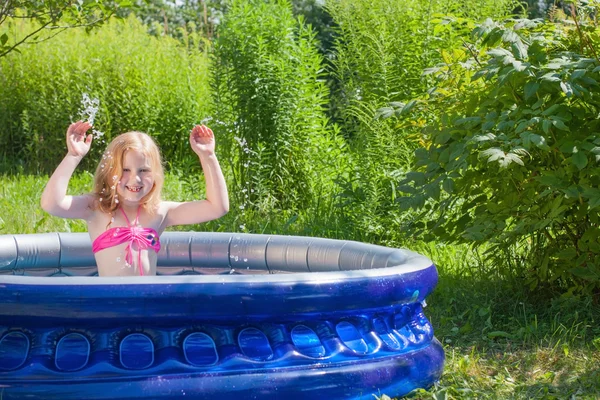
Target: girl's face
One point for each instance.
(137, 179)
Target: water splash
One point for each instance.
(89, 109)
(245, 192)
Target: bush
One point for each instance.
(513, 159)
(143, 83)
(381, 50)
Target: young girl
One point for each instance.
(124, 214)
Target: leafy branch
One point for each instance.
(50, 14)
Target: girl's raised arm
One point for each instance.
(216, 204)
(54, 198)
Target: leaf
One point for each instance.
(519, 66)
(578, 73)
(499, 52)
(448, 185)
(485, 138)
(406, 108)
(550, 110)
(417, 177)
(384, 112)
(559, 124)
(493, 154)
(442, 138)
(432, 70)
(3, 39)
(596, 152)
(499, 334)
(568, 147)
(546, 124)
(531, 88)
(579, 160)
(567, 254)
(585, 273)
(536, 139)
(469, 121)
(551, 77)
(407, 189)
(524, 124)
(556, 64)
(566, 88)
(512, 157)
(519, 49)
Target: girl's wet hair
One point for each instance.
(110, 169)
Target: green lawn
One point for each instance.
(501, 340)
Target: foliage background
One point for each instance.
(318, 126)
(142, 83)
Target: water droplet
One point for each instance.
(232, 271)
(115, 177)
(245, 260)
(236, 258)
(118, 259)
(113, 187)
(100, 199)
(116, 201)
(242, 207)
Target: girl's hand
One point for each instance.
(202, 140)
(77, 142)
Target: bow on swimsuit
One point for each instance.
(144, 238)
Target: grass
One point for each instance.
(501, 340)
(505, 342)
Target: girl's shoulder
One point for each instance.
(165, 206)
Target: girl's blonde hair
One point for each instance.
(110, 169)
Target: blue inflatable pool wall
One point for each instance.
(229, 316)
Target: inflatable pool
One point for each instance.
(229, 316)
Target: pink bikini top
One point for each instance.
(144, 238)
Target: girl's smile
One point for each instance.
(136, 180)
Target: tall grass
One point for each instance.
(269, 105)
(143, 83)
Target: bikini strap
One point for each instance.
(137, 217)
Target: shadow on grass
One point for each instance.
(467, 310)
(505, 341)
(579, 386)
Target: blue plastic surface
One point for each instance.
(346, 333)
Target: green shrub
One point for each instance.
(143, 83)
(381, 50)
(269, 102)
(513, 159)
